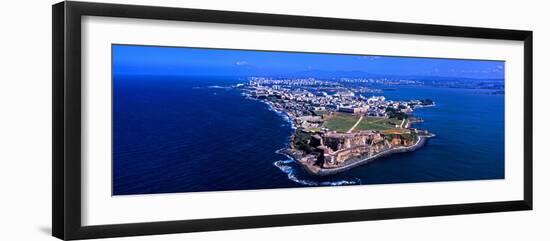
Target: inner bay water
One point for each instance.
(175, 134)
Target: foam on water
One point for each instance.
(295, 176)
(217, 87)
(282, 115)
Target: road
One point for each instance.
(402, 122)
(355, 125)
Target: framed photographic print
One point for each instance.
(170, 120)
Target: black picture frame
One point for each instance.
(67, 134)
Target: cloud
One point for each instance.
(241, 63)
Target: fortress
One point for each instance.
(336, 148)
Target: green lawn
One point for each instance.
(343, 122)
(340, 122)
(377, 124)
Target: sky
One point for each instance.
(182, 61)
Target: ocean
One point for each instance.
(173, 135)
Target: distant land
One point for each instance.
(367, 78)
(365, 74)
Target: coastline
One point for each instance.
(281, 113)
(296, 155)
(315, 170)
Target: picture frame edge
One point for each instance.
(66, 162)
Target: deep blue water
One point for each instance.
(187, 135)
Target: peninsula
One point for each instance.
(336, 126)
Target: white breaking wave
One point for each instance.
(281, 114)
(284, 165)
(217, 87)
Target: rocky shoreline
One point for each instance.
(340, 151)
(296, 155)
(316, 170)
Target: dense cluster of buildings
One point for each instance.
(304, 100)
(383, 81)
(258, 81)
